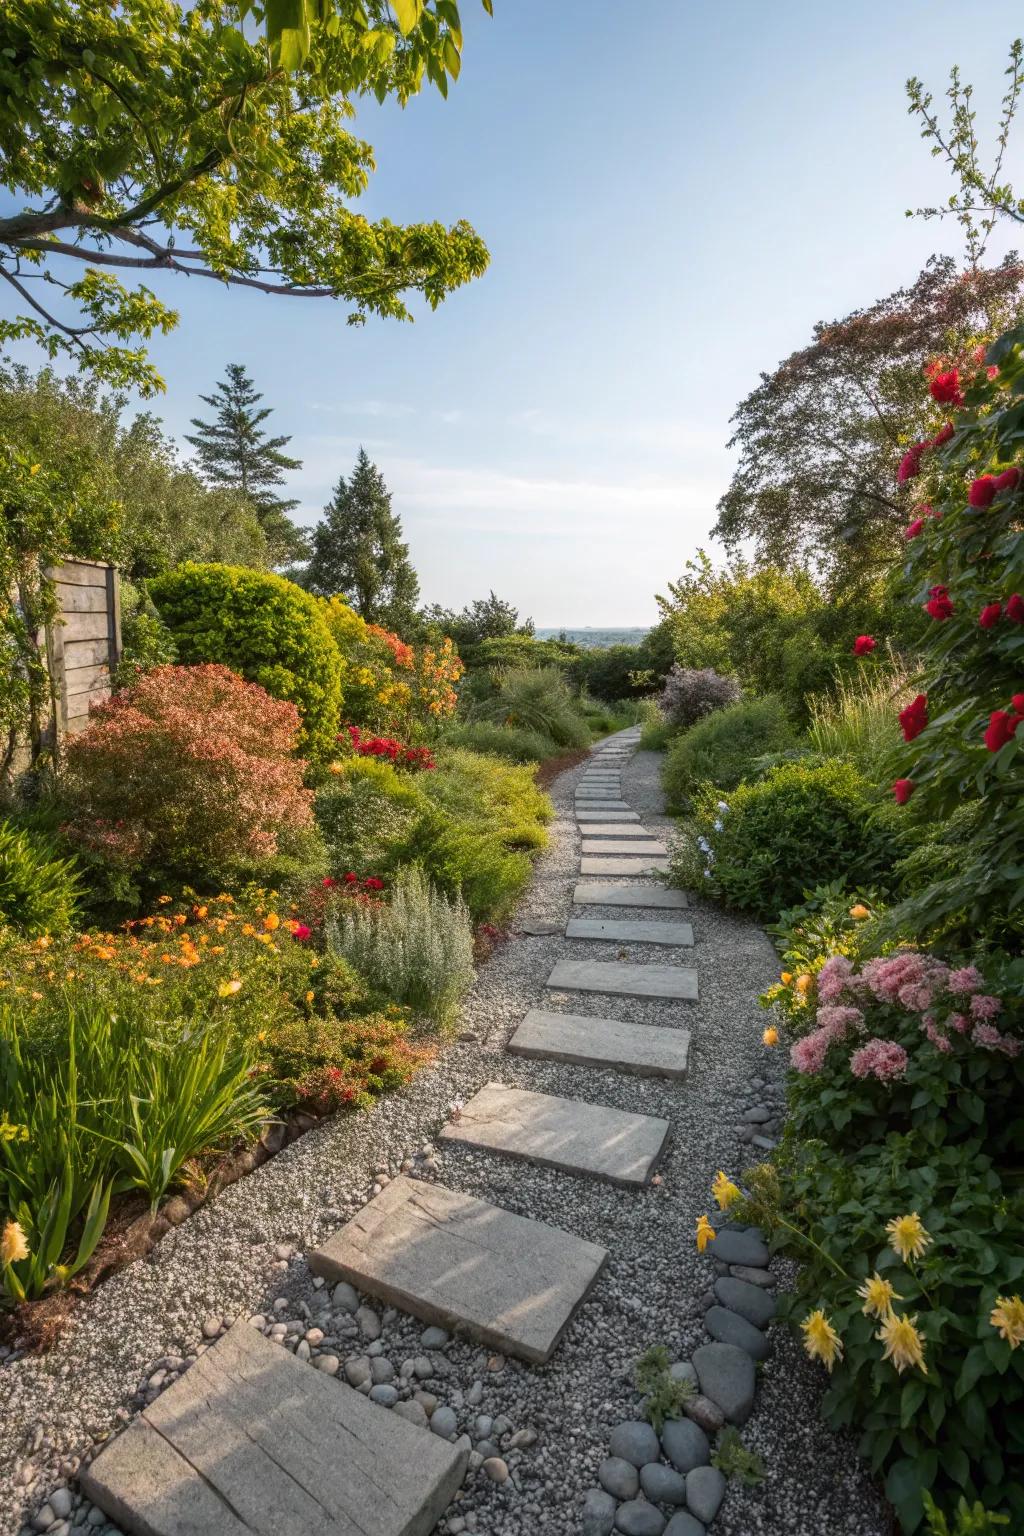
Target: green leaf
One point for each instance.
(407, 14)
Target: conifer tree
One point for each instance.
(234, 451)
(358, 550)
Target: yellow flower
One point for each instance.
(43, 942)
(771, 1035)
(35, 469)
(904, 1346)
(907, 1236)
(12, 1244)
(705, 1233)
(229, 988)
(163, 900)
(804, 983)
(1008, 1316)
(820, 1339)
(878, 1296)
(248, 930)
(310, 996)
(859, 912)
(724, 1191)
(786, 977)
(336, 767)
(271, 921)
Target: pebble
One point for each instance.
(369, 1323)
(522, 1439)
(729, 1328)
(663, 1485)
(358, 1372)
(444, 1422)
(381, 1370)
(741, 1248)
(683, 1370)
(345, 1297)
(211, 1327)
(705, 1490)
(638, 1518)
(756, 1116)
(727, 1376)
(636, 1442)
(685, 1444)
(598, 1513)
(619, 1478)
(384, 1394)
(750, 1301)
(762, 1277)
(705, 1413)
(61, 1503)
(329, 1364)
(683, 1524)
(414, 1412)
(434, 1338)
(496, 1469)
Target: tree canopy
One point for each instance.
(160, 136)
(486, 618)
(358, 551)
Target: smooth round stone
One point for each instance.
(484, 1423)
(414, 1412)
(705, 1490)
(496, 1469)
(386, 1395)
(683, 1370)
(434, 1338)
(740, 1248)
(598, 1513)
(638, 1518)
(662, 1484)
(369, 1323)
(705, 1413)
(750, 1301)
(486, 1448)
(635, 1442)
(381, 1370)
(444, 1422)
(684, 1524)
(729, 1328)
(345, 1297)
(358, 1371)
(762, 1277)
(686, 1445)
(727, 1376)
(619, 1477)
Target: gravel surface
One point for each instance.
(243, 1255)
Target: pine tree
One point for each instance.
(234, 451)
(358, 550)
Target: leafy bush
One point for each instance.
(417, 949)
(517, 743)
(471, 862)
(189, 773)
(691, 693)
(657, 734)
(758, 851)
(536, 699)
(390, 685)
(723, 749)
(508, 652)
(492, 797)
(38, 890)
(615, 672)
(326, 1064)
(263, 627)
(366, 813)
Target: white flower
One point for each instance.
(719, 824)
(703, 845)
(707, 874)
(723, 805)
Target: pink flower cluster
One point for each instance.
(883, 1059)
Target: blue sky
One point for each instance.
(672, 196)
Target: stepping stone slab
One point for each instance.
(729, 1328)
(750, 1301)
(740, 1248)
(598, 803)
(638, 847)
(593, 893)
(629, 931)
(561, 1133)
(705, 1490)
(458, 1261)
(675, 981)
(616, 829)
(622, 866)
(618, 818)
(727, 1376)
(645, 1049)
(252, 1442)
(685, 1444)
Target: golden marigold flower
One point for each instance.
(904, 1346)
(1008, 1316)
(705, 1233)
(180, 919)
(216, 949)
(724, 1190)
(785, 977)
(102, 952)
(336, 767)
(43, 942)
(770, 1035)
(878, 1296)
(200, 911)
(271, 921)
(310, 996)
(804, 983)
(229, 988)
(314, 961)
(248, 930)
(907, 1236)
(13, 1245)
(820, 1338)
(859, 912)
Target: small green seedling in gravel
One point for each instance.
(734, 1459)
(664, 1396)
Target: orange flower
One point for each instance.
(200, 911)
(786, 977)
(771, 1035)
(804, 983)
(248, 930)
(271, 921)
(163, 900)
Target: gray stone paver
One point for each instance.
(636, 847)
(621, 818)
(452, 1259)
(623, 980)
(617, 829)
(621, 865)
(567, 1134)
(630, 931)
(587, 1041)
(599, 893)
(253, 1442)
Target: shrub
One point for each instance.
(516, 743)
(657, 734)
(615, 672)
(263, 627)
(390, 685)
(417, 949)
(691, 693)
(492, 797)
(190, 772)
(329, 1064)
(38, 890)
(366, 813)
(472, 863)
(536, 699)
(723, 749)
(793, 829)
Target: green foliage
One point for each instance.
(517, 743)
(417, 950)
(495, 796)
(690, 693)
(146, 642)
(508, 652)
(657, 734)
(39, 891)
(665, 1395)
(358, 551)
(857, 719)
(326, 1064)
(790, 831)
(734, 1459)
(969, 1519)
(724, 748)
(616, 672)
(164, 132)
(366, 815)
(265, 628)
(488, 618)
(536, 699)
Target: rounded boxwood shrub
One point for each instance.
(723, 748)
(800, 826)
(265, 628)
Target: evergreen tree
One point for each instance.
(358, 550)
(233, 451)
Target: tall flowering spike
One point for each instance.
(878, 1296)
(904, 1346)
(13, 1244)
(1008, 1317)
(724, 1190)
(705, 1233)
(820, 1338)
(907, 1236)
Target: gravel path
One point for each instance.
(244, 1255)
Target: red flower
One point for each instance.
(945, 388)
(990, 615)
(982, 492)
(1018, 703)
(1015, 608)
(373, 884)
(914, 718)
(939, 605)
(301, 932)
(864, 645)
(903, 789)
(327, 883)
(1008, 480)
(912, 530)
(943, 435)
(351, 879)
(910, 464)
(1002, 726)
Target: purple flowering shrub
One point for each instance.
(690, 693)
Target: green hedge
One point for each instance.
(723, 748)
